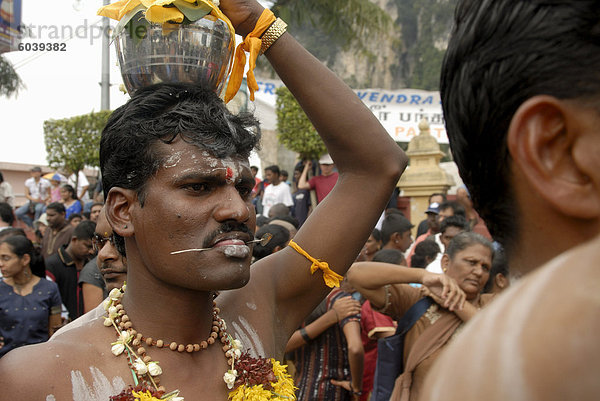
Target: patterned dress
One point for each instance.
(323, 359)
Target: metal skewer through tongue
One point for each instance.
(264, 240)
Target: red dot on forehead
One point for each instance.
(229, 173)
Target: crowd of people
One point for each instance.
(308, 299)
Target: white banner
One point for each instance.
(399, 111)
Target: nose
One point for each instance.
(232, 206)
(107, 253)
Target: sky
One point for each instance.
(58, 84)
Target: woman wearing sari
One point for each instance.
(466, 264)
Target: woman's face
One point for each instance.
(470, 268)
(371, 246)
(10, 263)
(65, 194)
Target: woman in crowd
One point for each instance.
(466, 264)
(29, 305)
(372, 245)
(69, 199)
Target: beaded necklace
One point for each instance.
(249, 378)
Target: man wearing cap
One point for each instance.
(323, 183)
(37, 192)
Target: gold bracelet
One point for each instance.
(273, 33)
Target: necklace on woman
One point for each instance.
(249, 378)
(19, 287)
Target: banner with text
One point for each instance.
(399, 111)
(10, 21)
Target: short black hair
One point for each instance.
(424, 249)
(84, 230)
(57, 206)
(280, 234)
(393, 256)
(161, 113)
(376, 234)
(274, 169)
(501, 53)
(6, 213)
(457, 208)
(393, 223)
(499, 266)
(74, 216)
(455, 221)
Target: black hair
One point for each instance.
(1, 177)
(279, 210)
(466, 239)
(393, 223)
(261, 220)
(20, 245)
(10, 231)
(457, 208)
(280, 234)
(500, 54)
(455, 221)
(57, 206)
(274, 169)
(499, 266)
(84, 230)
(284, 172)
(6, 213)
(393, 256)
(161, 113)
(424, 249)
(74, 216)
(288, 218)
(69, 188)
(376, 234)
(254, 168)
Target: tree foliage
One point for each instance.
(294, 129)
(10, 82)
(74, 143)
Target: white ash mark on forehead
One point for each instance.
(250, 305)
(173, 160)
(50, 397)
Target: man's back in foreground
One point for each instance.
(520, 90)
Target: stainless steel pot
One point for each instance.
(199, 53)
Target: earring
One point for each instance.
(125, 226)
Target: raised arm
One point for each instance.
(370, 279)
(369, 163)
(303, 180)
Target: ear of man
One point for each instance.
(120, 203)
(552, 143)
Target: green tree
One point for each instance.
(10, 82)
(74, 143)
(294, 129)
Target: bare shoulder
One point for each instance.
(539, 338)
(76, 365)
